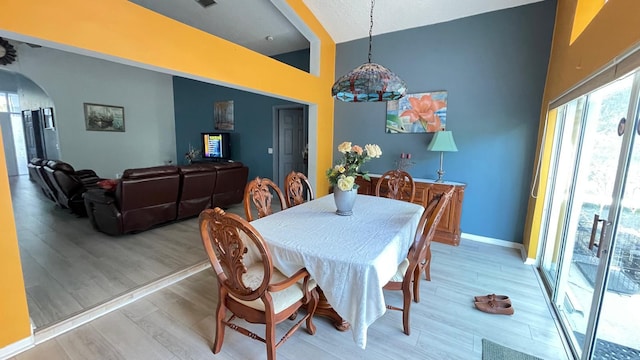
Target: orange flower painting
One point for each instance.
(415, 113)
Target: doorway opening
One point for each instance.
(290, 141)
(13, 134)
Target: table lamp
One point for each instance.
(442, 141)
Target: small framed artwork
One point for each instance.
(47, 115)
(417, 113)
(223, 115)
(100, 117)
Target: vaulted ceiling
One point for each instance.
(260, 26)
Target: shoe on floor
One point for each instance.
(492, 297)
(495, 307)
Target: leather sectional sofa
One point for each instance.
(147, 197)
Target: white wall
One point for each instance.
(71, 80)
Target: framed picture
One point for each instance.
(223, 115)
(417, 113)
(99, 117)
(47, 115)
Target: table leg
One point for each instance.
(325, 309)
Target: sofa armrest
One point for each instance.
(86, 173)
(103, 212)
(100, 197)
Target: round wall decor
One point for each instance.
(7, 52)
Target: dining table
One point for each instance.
(350, 257)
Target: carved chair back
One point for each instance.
(258, 194)
(427, 227)
(233, 245)
(247, 281)
(398, 184)
(297, 189)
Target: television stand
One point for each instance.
(210, 160)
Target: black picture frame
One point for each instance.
(99, 117)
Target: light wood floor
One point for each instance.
(177, 322)
(69, 267)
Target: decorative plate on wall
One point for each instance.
(7, 52)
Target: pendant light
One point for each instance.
(369, 82)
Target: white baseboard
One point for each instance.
(17, 347)
(504, 243)
(73, 322)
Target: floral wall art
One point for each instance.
(417, 113)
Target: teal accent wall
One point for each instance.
(494, 67)
(253, 133)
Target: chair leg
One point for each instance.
(406, 292)
(270, 338)
(220, 326)
(416, 284)
(311, 308)
(427, 267)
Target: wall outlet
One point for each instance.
(269, 150)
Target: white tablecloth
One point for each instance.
(351, 257)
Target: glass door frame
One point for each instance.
(608, 240)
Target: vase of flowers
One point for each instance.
(343, 175)
(191, 154)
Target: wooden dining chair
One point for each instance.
(396, 184)
(424, 265)
(258, 194)
(297, 189)
(248, 284)
(408, 271)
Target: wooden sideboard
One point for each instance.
(448, 230)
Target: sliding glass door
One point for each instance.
(591, 233)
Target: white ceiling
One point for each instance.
(249, 22)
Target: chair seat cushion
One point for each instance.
(281, 299)
(402, 269)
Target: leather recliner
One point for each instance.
(230, 183)
(143, 198)
(69, 184)
(37, 174)
(196, 186)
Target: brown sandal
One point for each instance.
(495, 307)
(492, 297)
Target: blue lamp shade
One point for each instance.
(369, 82)
(442, 141)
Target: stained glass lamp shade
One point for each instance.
(369, 82)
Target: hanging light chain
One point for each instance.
(371, 28)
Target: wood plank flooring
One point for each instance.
(177, 322)
(69, 267)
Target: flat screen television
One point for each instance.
(216, 146)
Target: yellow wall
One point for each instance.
(609, 34)
(14, 315)
(122, 29)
